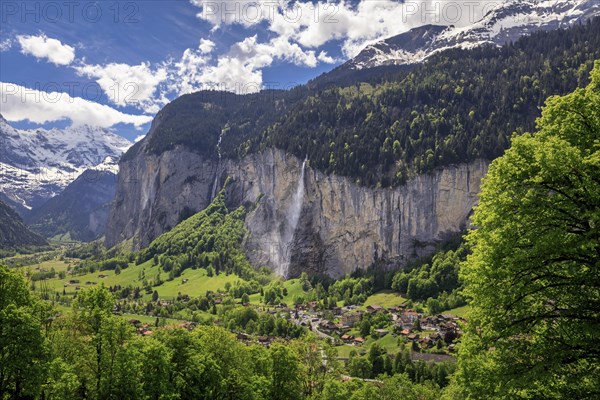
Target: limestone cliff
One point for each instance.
(342, 226)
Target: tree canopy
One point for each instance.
(533, 275)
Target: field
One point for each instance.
(385, 298)
(388, 342)
(198, 283)
(459, 311)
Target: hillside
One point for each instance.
(13, 233)
(439, 113)
(459, 106)
(79, 212)
(392, 168)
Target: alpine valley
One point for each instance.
(421, 222)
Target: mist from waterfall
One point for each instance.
(216, 183)
(293, 214)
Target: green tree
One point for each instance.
(286, 373)
(23, 351)
(533, 276)
(245, 298)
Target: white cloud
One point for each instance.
(138, 138)
(206, 46)
(326, 58)
(44, 47)
(127, 84)
(240, 69)
(5, 44)
(20, 103)
(355, 23)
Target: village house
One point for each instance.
(359, 340)
(347, 338)
(408, 318)
(381, 332)
(413, 337)
(351, 318)
(375, 309)
(327, 326)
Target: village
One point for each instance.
(429, 337)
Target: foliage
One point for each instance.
(435, 280)
(458, 106)
(23, 347)
(210, 239)
(532, 278)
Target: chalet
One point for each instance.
(337, 310)
(266, 340)
(102, 276)
(359, 340)
(375, 309)
(408, 317)
(351, 318)
(381, 332)
(347, 338)
(327, 326)
(426, 342)
(413, 337)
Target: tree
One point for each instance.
(533, 276)
(155, 296)
(286, 373)
(245, 298)
(22, 345)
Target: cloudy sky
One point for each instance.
(115, 64)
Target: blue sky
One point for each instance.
(115, 64)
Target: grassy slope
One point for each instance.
(385, 298)
(198, 282)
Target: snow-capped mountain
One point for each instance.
(506, 22)
(36, 165)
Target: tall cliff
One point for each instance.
(341, 227)
(436, 122)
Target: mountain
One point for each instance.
(80, 211)
(389, 171)
(13, 233)
(36, 165)
(505, 22)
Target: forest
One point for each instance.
(458, 106)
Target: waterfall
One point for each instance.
(216, 183)
(293, 214)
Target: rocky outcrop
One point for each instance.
(342, 226)
(153, 191)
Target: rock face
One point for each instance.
(81, 210)
(152, 191)
(342, 226)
